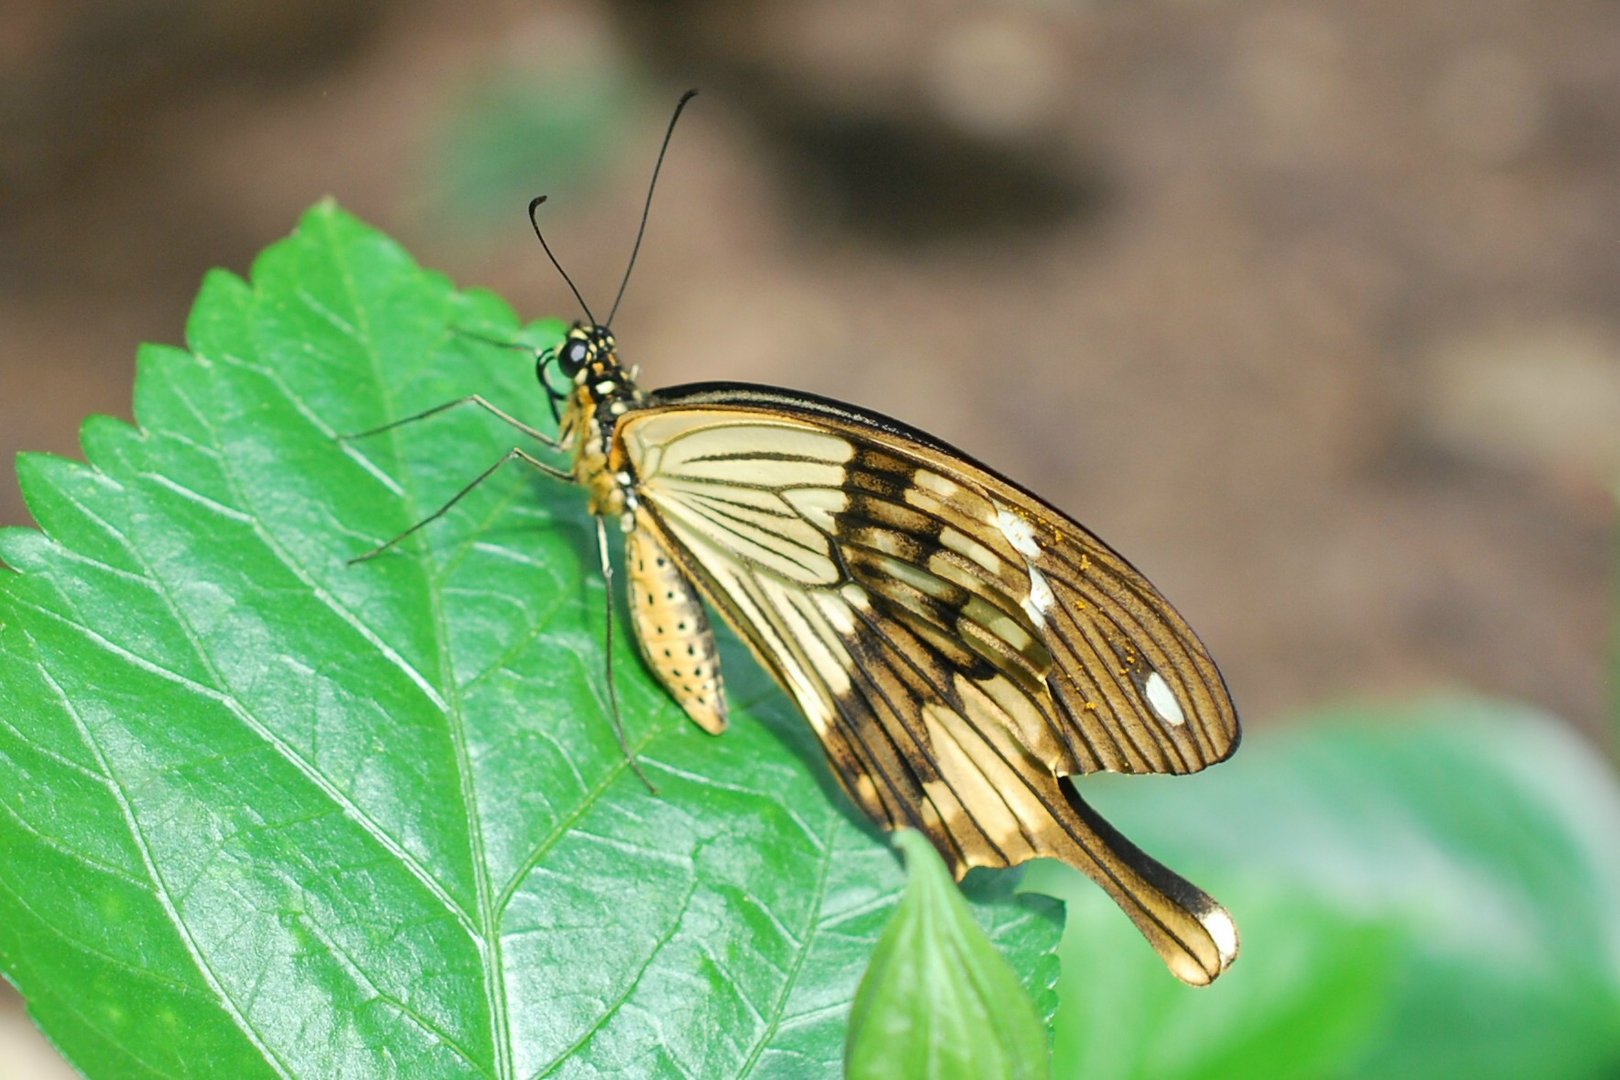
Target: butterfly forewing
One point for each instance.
(981, 572)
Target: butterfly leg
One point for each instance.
(613, 694)
(551, 442)
(513, 454)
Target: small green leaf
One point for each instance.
(264, 813)
(938, 1000)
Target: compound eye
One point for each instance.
(572, 356)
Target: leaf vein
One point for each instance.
(304, 768)
(618, 1003)
(160, 888)
(486, 932)
(778, 1007)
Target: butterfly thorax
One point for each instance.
(602, 392)
(670, 625)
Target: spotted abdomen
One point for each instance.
(673, 632)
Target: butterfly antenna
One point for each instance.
(534, 205)
(647, 206)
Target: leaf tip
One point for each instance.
(937, 995)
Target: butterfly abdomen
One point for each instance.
(670, 626)
(673, 631)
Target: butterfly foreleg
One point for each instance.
(514, 454)
(550, 442)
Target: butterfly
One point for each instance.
(962, 648)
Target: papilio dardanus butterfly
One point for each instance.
(962, 648)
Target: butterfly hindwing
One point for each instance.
(959, 646)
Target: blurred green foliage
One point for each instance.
(512, 135)
(1424, 890)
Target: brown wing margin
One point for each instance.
(1000, 806)
(1109, 632)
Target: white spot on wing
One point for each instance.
(1040, 598)
(1021, 535)
(1224, 932)
(1018, 533)
(1163, 701)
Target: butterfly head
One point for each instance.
(600, 388)
(587, 353)
(586, 357)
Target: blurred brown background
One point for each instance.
(1313, 311)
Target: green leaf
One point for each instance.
(266, 813)
(1423, 891)
(938, 1001)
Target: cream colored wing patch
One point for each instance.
(763, 490)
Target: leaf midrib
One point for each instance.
(486, 927)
